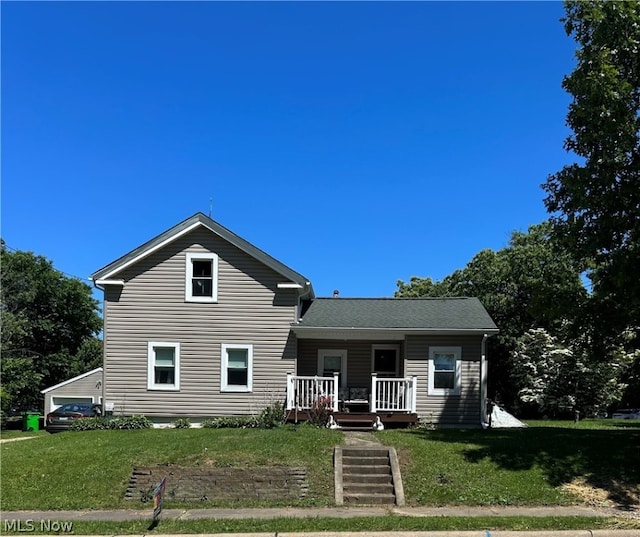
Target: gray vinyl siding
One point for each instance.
(151, 307)
(89, 386)
(358, 358)
(463, 410)
(446, 410)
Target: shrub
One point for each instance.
(91, 424)
(320, 411)
(103, 423)
(231, 422)
(272, 416)
(182, 423)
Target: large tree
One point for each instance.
(595, 202)
(532, 283)
(50, 324)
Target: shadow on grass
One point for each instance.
(603, 458)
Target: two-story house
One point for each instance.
(200, 323)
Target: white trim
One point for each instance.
(151, 362)
(385, 346)
(457, 378)
(102, 281)
(289, 285)
(224, 363)
(343, 363)
(47, 390)
(151, 250)
(188, 289)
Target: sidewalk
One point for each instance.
(119, 515)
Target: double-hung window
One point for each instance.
(445, 365)
(201, 277)
(163, 366)
(237, 367)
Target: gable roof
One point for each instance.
(195, 221)
(416, 315)
(69, 381)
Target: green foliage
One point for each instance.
(272, 415)
(49, 327)
(102, 423)
(532, 283)
(40, 475)
(182, 423)
(595, 202)
(231, 422)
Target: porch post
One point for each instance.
(414, 394)
(334, 399)
(290, 391)
(374, 387)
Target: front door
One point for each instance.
(385, 360)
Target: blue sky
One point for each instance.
(359, 143)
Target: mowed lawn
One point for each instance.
(444, 467)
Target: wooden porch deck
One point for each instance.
(360, 420)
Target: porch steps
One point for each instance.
(355, 421)
(367, 476)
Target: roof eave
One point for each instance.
(342, 332)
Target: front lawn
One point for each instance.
(541, 465)
(550, 463)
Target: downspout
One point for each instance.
(104, 369)
(483, 382)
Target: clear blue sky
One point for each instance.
(358, 143)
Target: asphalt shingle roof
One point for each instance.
(413, 313)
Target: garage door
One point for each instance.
(61, 400)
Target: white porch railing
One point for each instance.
(303, 393)
(386, 395)
(393, 395)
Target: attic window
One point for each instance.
(201, 278)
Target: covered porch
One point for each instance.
(383, 395)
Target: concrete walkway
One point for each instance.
(120, 515)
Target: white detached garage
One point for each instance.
(85, 388)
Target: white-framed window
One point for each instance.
(237, 367)
(445, 365)
(163, 366)
(201, 283)
(385, 360)
(332, 361)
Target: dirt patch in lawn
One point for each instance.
(614, 494)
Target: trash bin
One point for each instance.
(31, 421)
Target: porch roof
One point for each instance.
(464, 315)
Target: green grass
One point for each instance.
(90, 470)
(6, 434)
(386, 523)
(518, 467)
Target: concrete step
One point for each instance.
(367, 478)
(369, 499)
(367, 488)
(368, 470)
(365, 461)
(365, 452)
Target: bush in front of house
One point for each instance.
(272, 416)
(136, 421)
(182, 423)
(231, 422)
